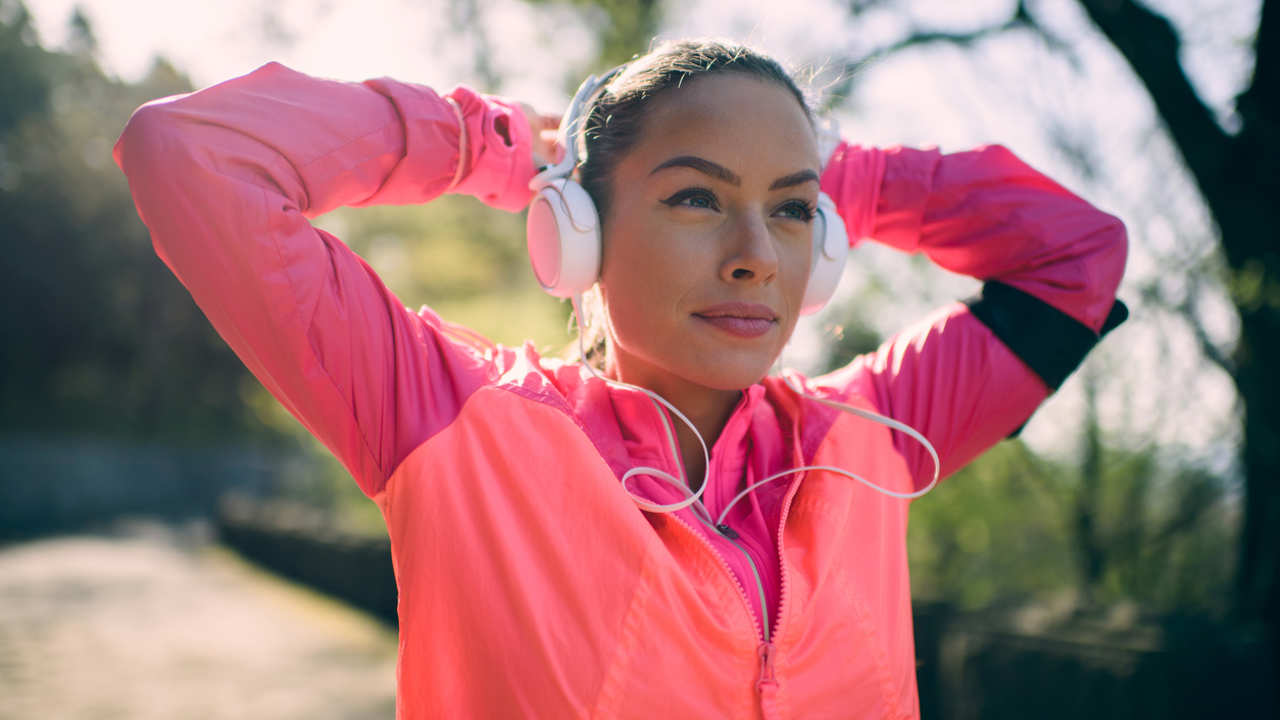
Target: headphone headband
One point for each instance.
(571, 129)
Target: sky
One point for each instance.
(1013, 91)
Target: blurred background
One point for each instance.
(173, 544)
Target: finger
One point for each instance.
(549, 147)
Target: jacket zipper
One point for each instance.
(782, 565)
(767, 681)
(731, 535)
(766, 678)
(742, 591)
(725, 531)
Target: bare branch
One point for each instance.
(858, 7)
(1151, 46)
(1186, 309)
(1260, 101)
(1207, 346)
(918, 38)
(1020, 20)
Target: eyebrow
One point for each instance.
(723, 173)
(796, 178)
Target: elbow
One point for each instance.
(157, 154)
(1110, 255)
(1104, 253)
(1083, 280)
(154, 152)
(146, 137)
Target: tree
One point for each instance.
(623, 26)
(1234, 171)
(110, 343)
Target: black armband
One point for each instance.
(1049, 341)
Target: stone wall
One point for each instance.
(52, 484)
(301, 543)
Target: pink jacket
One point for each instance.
(530, 584)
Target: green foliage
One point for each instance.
(1006, 528)
(624, 27)
(24, 85)
(102, 339)
(469, 263)
(1169, 533)
(996, 529)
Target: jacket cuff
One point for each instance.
(1047, 340)
(499, 160)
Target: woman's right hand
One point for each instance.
(543, 129)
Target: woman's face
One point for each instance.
(708, 234)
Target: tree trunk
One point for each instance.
(1240, 180)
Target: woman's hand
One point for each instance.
(543, 129)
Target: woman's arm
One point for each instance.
(226, 179)
(972, 373)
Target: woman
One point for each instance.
(531, 583)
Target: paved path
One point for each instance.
(157, 621)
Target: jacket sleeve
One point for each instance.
(972, 373)
(226, 180)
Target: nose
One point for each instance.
(751, 256)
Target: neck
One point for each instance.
(707, 408)
(709, 415)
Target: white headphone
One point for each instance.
(563, 228)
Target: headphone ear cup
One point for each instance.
(563, 232)
(830, 250)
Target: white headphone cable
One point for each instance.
(680, 482)
(695, 498)
(866, 414)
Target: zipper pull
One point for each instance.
(727, 531)
(766, 651)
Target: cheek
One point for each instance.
(652, 259)
(633, 281)
(799, 254)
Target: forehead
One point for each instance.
(750, 125)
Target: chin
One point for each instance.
(695, 361)
(730, 374)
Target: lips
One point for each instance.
(742, 319)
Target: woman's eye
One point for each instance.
(694, 198)
(799, 210)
